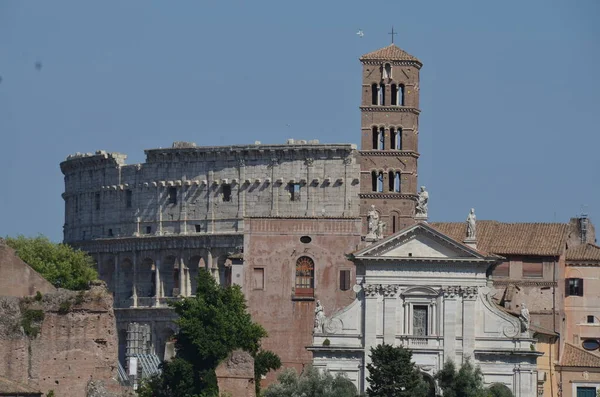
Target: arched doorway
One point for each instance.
(431, 391)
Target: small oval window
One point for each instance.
(590, 344)
(305, 239)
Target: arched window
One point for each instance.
(374, 94)
(375, 138)
(398, 139)
(380, 182)
(394, 222)
(394, 94)
(391, 181)
(373, 181)
(392, 138)
(387, 71)
(305, 274)
(400, 100)
(381, 139)
(397, 179)
(381, 94)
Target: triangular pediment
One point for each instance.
(420, 241)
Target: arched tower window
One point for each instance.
(395, 224)
(394, 94)
(397, 182)
(398, 139)
(380, 182)
(381, 94)
(391, 181)
(400, 100)
(387, 71)
(375, 131)
(373, 181)
(381, 139)
(374, 94)
(305, 274)
(392, 138)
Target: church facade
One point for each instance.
(427, 292)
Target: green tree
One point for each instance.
(499, 390)
(393, 374)
(211, 325)
(466, 382)
(60, 264)
(264, 361)
(311, 383)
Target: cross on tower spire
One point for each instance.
(392, 33)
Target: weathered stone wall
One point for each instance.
(235, 375)
(18, 278)
(183, 190)
(76, 341)
(272, 249)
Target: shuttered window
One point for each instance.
(502, 270)
(344, 280)
(533, 268)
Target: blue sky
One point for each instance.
(509, 92)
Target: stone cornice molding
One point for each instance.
(393, 109)
(526, 283)
(387, 290)
(390, 153)
(389, 196)
(416, 64)
(455, 291)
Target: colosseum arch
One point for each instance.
(169, 275)
(224, 266)
(195, 263)
(146, 278)
(106, 270)
(124, 289)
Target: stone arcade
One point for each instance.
(422, 290)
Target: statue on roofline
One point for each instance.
(471, 225)
(422, 200)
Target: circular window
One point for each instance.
(590, 344)
(305, 239)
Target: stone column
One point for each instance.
(389, 313)
(157, 282)
(214, 270)
(450, 308)
(135, 299)
(370, 324)
(181, 276)
(469, 298)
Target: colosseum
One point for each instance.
(276, 219)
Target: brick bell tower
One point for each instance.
(389, 136)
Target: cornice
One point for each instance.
(416, 64)
(526, 283)
(396, 109)
(388, 196)
(390, 153)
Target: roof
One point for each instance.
(8, 386)
(574, 356)
(389, 53)
(584, 252)
(544, 239)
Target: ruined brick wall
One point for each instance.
(272, 248)
(235, 375)
(17, 278)
(75, 344)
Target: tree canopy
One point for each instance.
(467, 382)
(60, 264)
(311, 383)
(211, 325)
(393, 374)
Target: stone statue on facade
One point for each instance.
(471, 225)
(380, 229)
(373, 223)
(524, 318)
(422, 200)
(319, 318)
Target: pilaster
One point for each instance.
(450, 308)
(389, 316)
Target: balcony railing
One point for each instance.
(420, 342)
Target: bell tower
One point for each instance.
(389, 136)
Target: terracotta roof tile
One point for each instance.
(8, 386)
(389, 53)
(547, 239)
(574, 356)
(584, 252)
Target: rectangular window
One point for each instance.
(148, 229)
(344, 280)
(97, 201)
(259, 278)
(172, 195)
(574, 287)
(533, 268)
(110, 233)
(502, 270)
(294, 191)
(226, 192)
(590, 319)
(198, 228)
(128, 198)
(420, 321)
